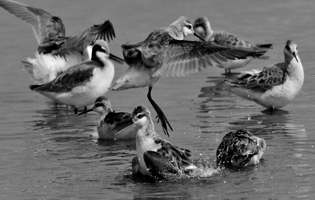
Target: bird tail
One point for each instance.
(264, 46)
(34, 87)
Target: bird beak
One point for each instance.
(294, 55)
(198, 36)
(86, 111)
(116, 59)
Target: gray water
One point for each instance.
(48, 153)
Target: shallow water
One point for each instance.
(48, 153)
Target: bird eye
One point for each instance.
(189, 26)
(141, 115)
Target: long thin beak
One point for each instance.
(86, 111)
(198, 36)
(116, 58)
(294, 54)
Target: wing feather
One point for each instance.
(260, 81)
(38, 18)
(200, 55)
(168, 158)
(69, 79)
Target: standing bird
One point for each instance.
(203, 29)
(272, 87)
(156, 157)
(112, 125)
(165, 52)
(56, 51)
(80, 85)
(239, 149)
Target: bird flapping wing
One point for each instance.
(44, 25)
(186, 57)
(104, 31)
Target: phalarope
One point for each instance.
(272, 87)
(165, 52)
(155, 156)
(80, 85)
(113, 125)
(239, 149)
(56, 51)
(202, 28)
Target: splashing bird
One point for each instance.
(272, 87)
(156, 157)
(203, 29)
(239, 149)
(56, 52)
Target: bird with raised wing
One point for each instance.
(239, 149)
(56, 51)
(112, 125)
(272, 87)
(203, 29)
(165, 52)
(80, 85)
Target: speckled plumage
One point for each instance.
(272, 87)
(239, 149)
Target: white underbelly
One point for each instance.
(277, 97)
(143, 145)
(45, 67)
(87, 93)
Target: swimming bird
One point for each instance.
(165, 52)
(56, 51)
(156, 157)
(239, 149)
(80, 85)
(112, 125)
(272, 87)
(203, 29)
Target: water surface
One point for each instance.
(48, 153)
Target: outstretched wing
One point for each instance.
(185, 57)
(45, 26)
(260, 81)
(69, 79)
(167, 159)
(104, 31)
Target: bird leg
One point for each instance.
(75, 109)
(160, 114)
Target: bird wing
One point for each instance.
(262, 80)
(186, 57)
(231, 40)
(75, 76)
(120, 119)
(38, 18)
(167, 159)
(104, 31)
